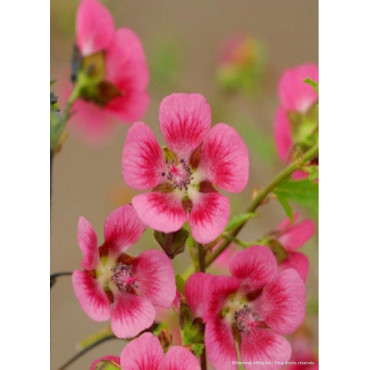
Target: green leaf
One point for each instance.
(313, 173)
(239, 220)
(180, 283)
(286, 206)
(303, 192)
(172, 243)
(191, 328)
(312, 83)
(197, 348)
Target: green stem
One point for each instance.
(262, 194)
(243, 244)
(201, 258)
(57, 129)
(202, 268)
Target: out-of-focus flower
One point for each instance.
(241, 63)
(296, 120)
(303, 356)
(252, 309)
(116, 286)
(286, 239)
(183, 177)
(110, 71)
(146, 353)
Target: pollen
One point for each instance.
(180, 176)
(246, 318)
(122, 277)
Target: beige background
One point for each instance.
(87, 180)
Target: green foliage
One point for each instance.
(239, 220)
(192, 329)
(197, 348)
(313, 173)
(312, 83)
(172, 243)
(303, 192)
(286, 206)
(180, 283)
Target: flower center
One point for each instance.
(122, 277)
(246, 318)
(180, 175)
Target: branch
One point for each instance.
(54, 277)
(262, 194)
(85, 350)
(202, 268)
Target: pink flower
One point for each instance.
(115, 61)
(296, 99)
(292, 235)
(183, 179)
(252, 308)
(145, 353)
(116, 286)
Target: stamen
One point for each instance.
(246, 318)
(123, 279)
(180, 176)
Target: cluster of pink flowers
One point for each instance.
(248, 311)
(253, 308)
(290, 235)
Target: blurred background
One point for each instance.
(183, 43)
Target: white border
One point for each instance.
(24, 153)
(344, 184)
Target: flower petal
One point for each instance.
(142, 158)
(196, 292)
(261, 345)
(94, 27)
(122, 229)
(209, 216)
(282, 134)
(220, 344)
(155, 277)
(88, 243)
(125, 61)
(184, 120)
(219, 291)
(296, 95)
(297, 261)
(143, 353)
(160, 211)
(256, 266)
(130, 107)
(112, 359)
(224, 158)
(91, 296)
(282, 303)
(179, 358)
(131, 314)
(297, 234)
